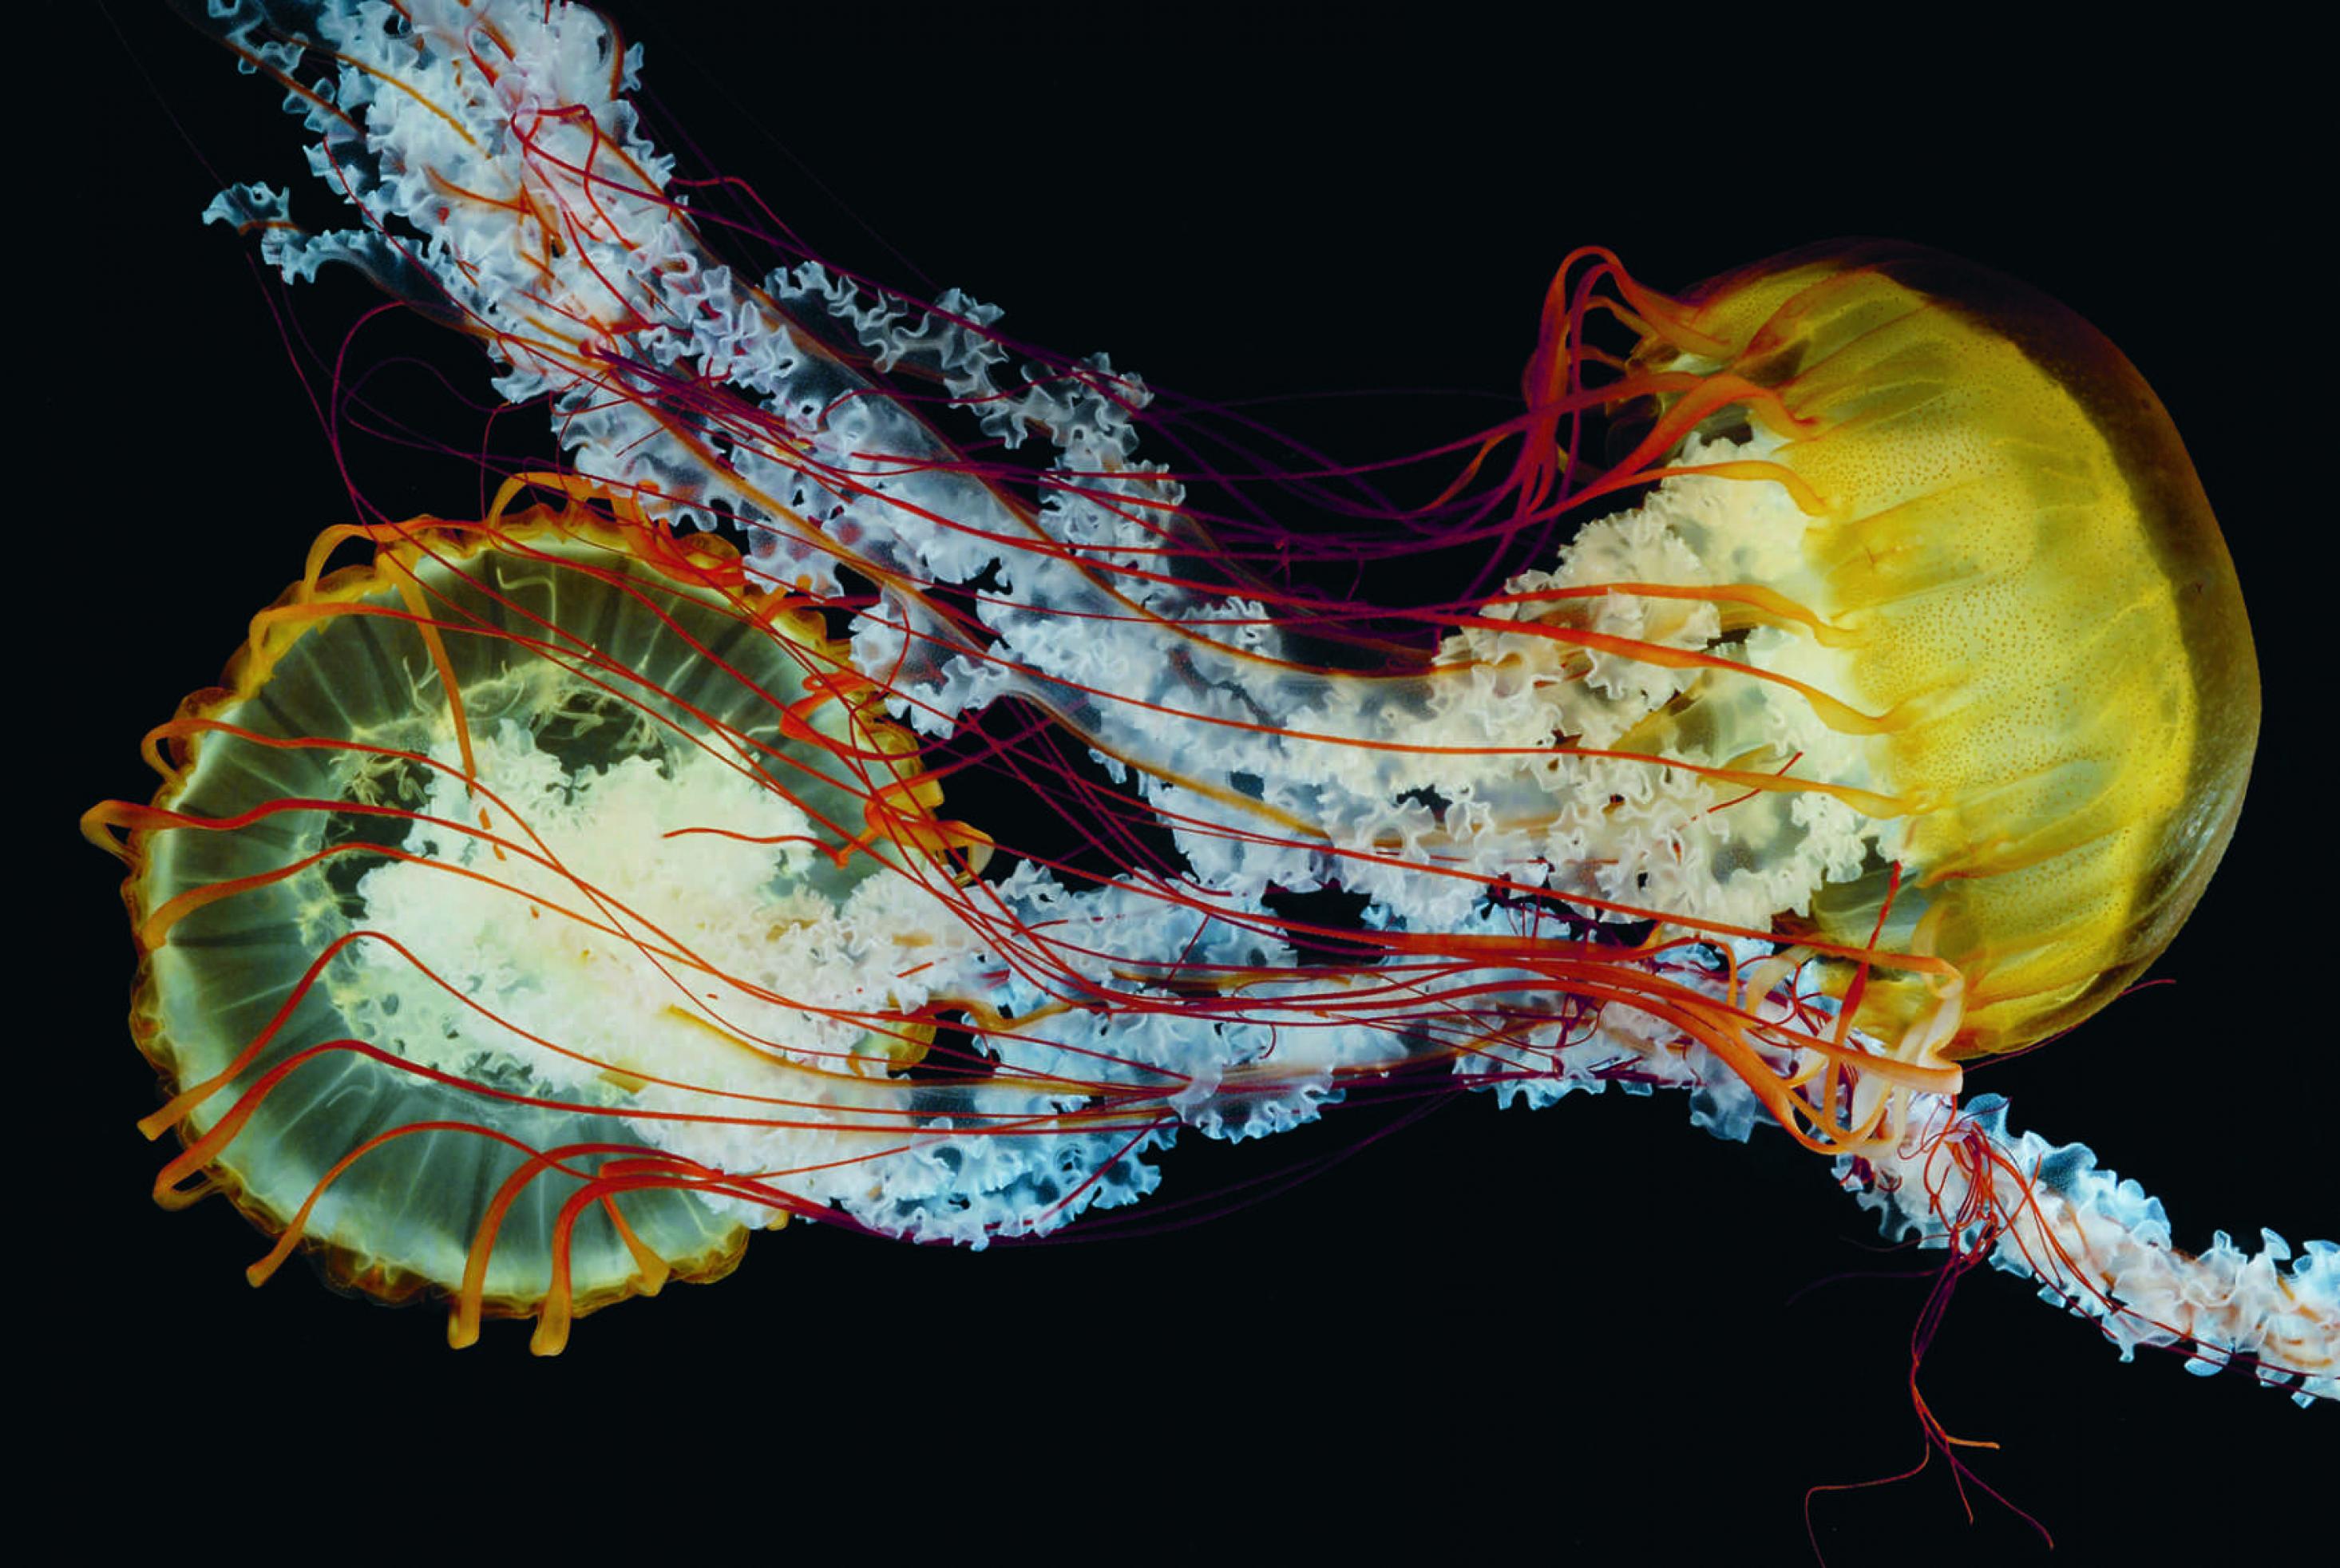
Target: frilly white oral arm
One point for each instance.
(596, 290)
(2101, 1248)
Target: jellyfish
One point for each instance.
(1688, 801)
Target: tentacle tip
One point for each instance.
(170, 1195)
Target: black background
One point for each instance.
(1572, 1329)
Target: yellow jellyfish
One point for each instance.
(502, 789)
